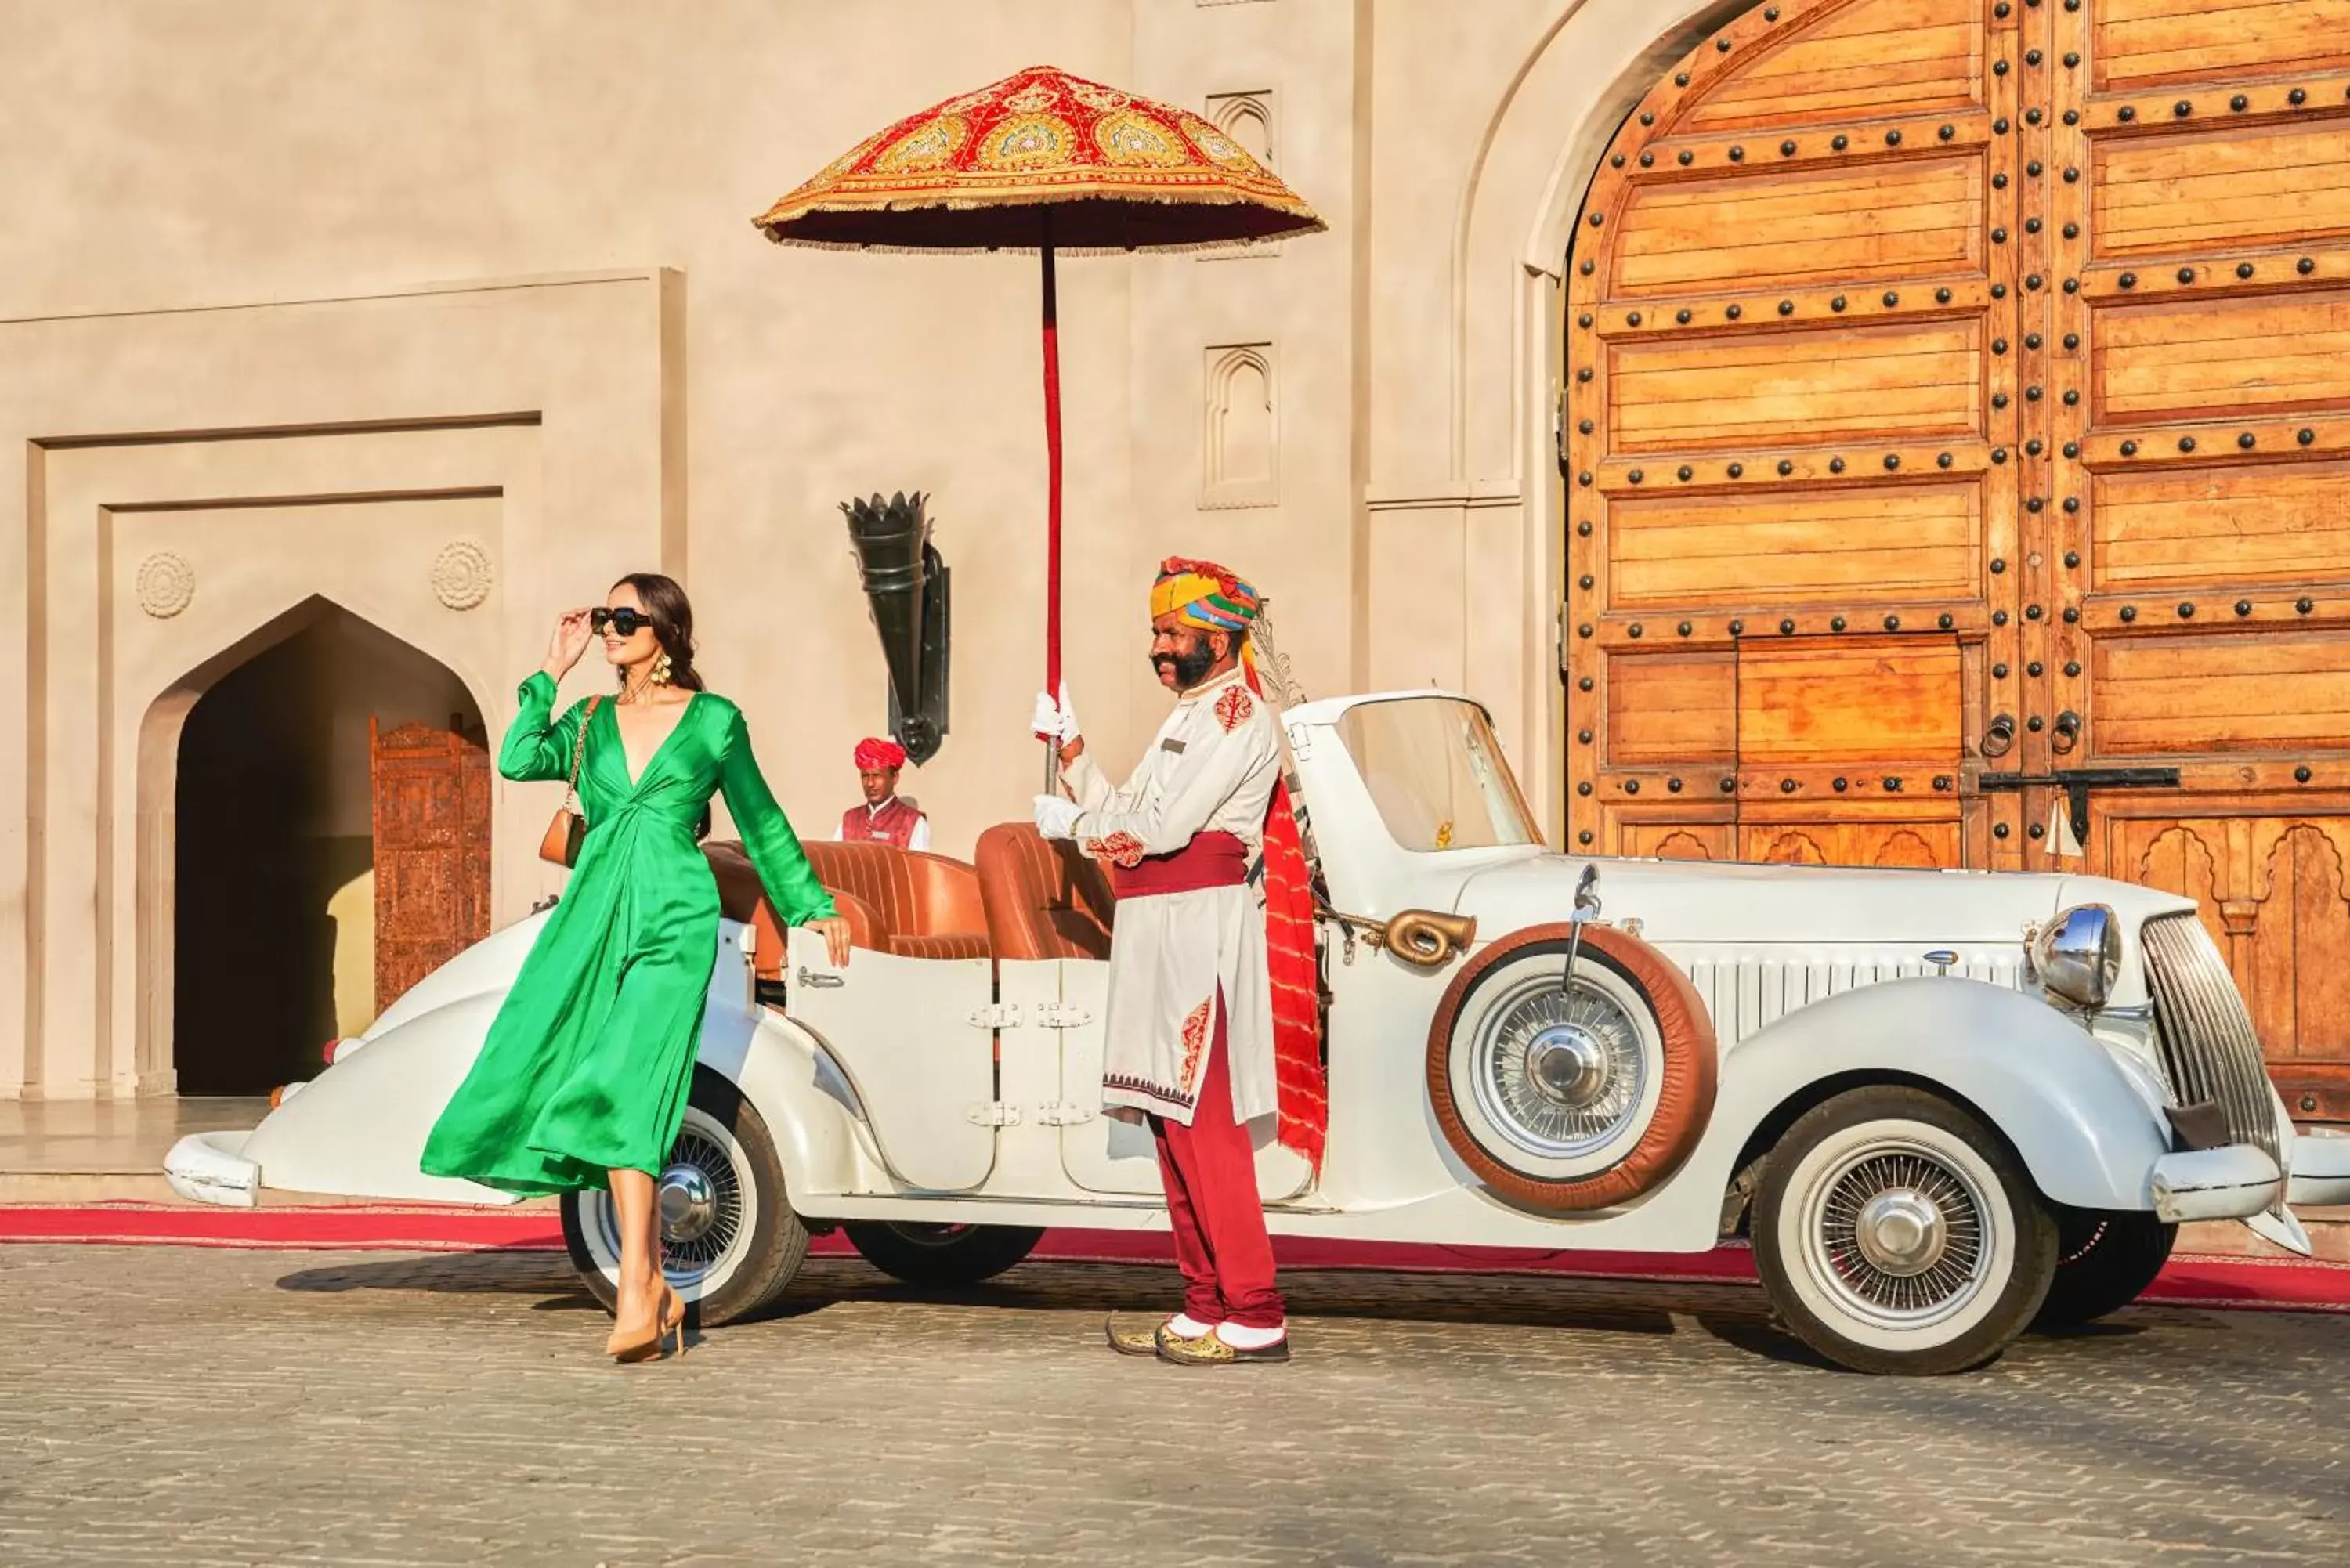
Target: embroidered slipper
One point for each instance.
(1210, 1350)
(1130, 1341)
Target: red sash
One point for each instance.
(1209, 860)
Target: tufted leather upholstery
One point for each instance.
(1044, 900)
(741, 898)
(930, 905)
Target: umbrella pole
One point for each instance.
(1052, 503)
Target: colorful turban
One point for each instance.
(1204, 595)
(876, 755)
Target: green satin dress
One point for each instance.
(587, 1066)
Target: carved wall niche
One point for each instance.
(1240, 457)
(1247, 118)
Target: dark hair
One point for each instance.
(672, 616)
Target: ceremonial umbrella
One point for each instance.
(1047, 162)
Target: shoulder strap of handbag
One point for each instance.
(578, 749)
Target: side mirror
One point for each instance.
(906, 587)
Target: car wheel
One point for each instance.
(730, 1241)
(941, 1254)
(1897, 1233)
(1569, 1093)
(2105, 1261)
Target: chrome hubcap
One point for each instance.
(1903, 1237)
(1567, 1065)
(1562, 1073)
(689, 1204)
(1901, 1232)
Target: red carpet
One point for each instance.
(2286, 1284)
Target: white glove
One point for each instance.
(1056, 816)
(1055, 721)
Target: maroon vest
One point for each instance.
(893, 823)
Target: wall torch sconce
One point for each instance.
(906, 587)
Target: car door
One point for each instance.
(915, 1039)
(1103, 1154)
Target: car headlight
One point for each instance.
(2078, 955)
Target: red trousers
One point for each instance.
(1210, 1173)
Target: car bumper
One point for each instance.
(2321, 1172)
(211, 1168)
(2233, 1182)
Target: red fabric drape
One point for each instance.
(1304, 1090)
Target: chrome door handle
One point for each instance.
(815, 981)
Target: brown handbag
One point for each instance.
(561, 843)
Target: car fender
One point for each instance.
(806, 1101)
(358, 1129)
(2088, 1130)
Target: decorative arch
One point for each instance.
(155, 836)
(1240, 460)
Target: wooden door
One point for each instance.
(1959, 387)
(2209, 234)
(432, 824)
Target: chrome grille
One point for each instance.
(2209, 1048)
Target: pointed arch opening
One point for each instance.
(314, 813)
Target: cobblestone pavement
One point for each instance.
(195, 1407)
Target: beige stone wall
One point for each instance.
(485, 272)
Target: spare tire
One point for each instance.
(1577, 1096)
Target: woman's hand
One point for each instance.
(833, 928)
(569, 641)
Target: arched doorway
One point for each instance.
(1952, 417)
(293, 767)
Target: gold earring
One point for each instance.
(661, 668)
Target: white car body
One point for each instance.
(966, 1093)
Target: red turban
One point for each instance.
(876, 755)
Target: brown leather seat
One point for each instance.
(742, 896)
(1044, 900)
(930, 905)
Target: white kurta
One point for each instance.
(1210, 768)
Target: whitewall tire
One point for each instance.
(1894, 1232)
(730, 1243)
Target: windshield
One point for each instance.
(1437, 774)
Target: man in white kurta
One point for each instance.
(1191, 1028)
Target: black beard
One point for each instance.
(1190, 667)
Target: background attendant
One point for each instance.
(582, 1081)
(886, 818)
(1213, 1016)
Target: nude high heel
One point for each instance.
(667, 1322)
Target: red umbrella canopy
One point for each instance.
(1042, 157)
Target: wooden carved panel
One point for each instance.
(1672, 707)
(1801, 228)
(2273, 892)
(2189, 527)
(2185, 696)
(1881, 384)
(2282, 184)
(2232, 360)
(1797, 546)
(432, 824)
(2150, 43)
(1922, 844)
(1861, 62)
(1859, 702)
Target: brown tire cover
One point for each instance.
(1684, 1101)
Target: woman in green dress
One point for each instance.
(582, 1082)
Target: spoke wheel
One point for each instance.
(729, 1241)
(1897, 1233)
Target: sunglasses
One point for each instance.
(624, 622)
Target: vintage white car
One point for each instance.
(1942, 1106)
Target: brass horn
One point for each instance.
(1421, 938)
